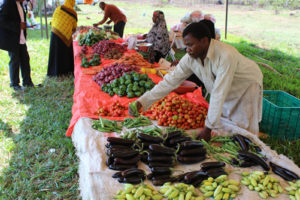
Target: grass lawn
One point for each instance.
(37, 161)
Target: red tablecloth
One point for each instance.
(88, 97)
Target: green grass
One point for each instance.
(37, 161)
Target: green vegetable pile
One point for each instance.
(106, 125)
(265, 185)
(294, 190)
(131, 84)
(91, 37)
(152, 131)
(136, 122)
(96, 60)
(220, 188)
(180, 191)
(142, 191)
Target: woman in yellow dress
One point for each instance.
(64, 24)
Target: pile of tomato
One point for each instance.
(176, 111)
(115, 110)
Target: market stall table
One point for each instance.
(95, 178)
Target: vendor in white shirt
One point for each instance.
(233, 81)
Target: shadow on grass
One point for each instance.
(43, 164)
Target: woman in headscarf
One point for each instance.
(159, 37)
(64, 24)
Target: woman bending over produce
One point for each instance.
(159, 37)
(233, 81)
(64, 24)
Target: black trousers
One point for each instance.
(119, 28)
(19, 59)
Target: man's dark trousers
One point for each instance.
(19, 59)
(119, 28)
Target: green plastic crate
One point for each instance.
(281, 115)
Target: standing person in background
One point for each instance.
(13, 39)
(234, 81)
(159, 37)
(211, 18)
(64, 23)
(115, 15)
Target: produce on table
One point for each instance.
(91, 37)
(134, 109)
(114, 53)
(106, 125)
(294, 190)
(84, 50)
(134, 59)
(142, 191)
(251, 157)
(213, 169)
(136, 122)
(220, 188)
(161, 169)
(114, 110)
(122, 156)
(179, 191)
(105, 46)
(112, 72)
(191, 152)
(94, 61)
(264, 184)
(132, 134)
(130, 84)
(194, 178)
(174, 110)
(133, 176)
(284, 173)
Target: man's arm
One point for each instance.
(106, 13)
(171, 81)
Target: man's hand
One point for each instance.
(23, 25)
(204, 134)
(132, 112)
(174, 63)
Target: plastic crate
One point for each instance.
(281, 115)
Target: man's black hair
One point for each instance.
(211, 26)
(198, 30)
(101, 2)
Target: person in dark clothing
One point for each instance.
(13, 39)
(115, 15)
(64, 23)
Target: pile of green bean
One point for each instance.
(136, 122)
(132, 134)
(138, 192)
(294, 190)
(106, 125)
(180, 191)
(220, 188)
(265, 185)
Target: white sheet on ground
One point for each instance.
(95, 178)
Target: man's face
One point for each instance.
(194, 47)
(102, 6)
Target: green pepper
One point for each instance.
(130, 94)
(111, 93)
(130, 86)
(148, 85)
(144, 77)
(122, 80)
(127, 82)
(142, 90)
(138, 93)
(142, 83)
(135, 88)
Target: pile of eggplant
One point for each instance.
(247, 158)
(172, 139)
(133, 176)
(191, 152)
(213, 169)
(194, 178)
(120, 154)
(147, 140)
(284, 173)
(161, 160)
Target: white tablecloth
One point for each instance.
(95, 178)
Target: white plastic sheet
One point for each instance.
(95, 178)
